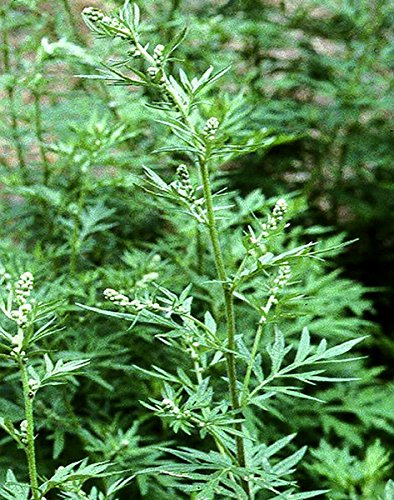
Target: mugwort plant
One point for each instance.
(28, 323)
(231, 377)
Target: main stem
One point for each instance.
(219, 262)
(30, 447)
(229, 309)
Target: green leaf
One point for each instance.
(277, 351)
(286, 465)
(175, 42)
(210, 322)
(12, 489)
(10, 411)
(278, 445)
(304, 346)
(342, 348)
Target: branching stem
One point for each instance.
(249, 370)
(203, 161)
(229, 307)
(199, 251)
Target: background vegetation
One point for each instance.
(317, 76)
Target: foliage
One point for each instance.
(229, 357)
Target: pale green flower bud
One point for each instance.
(211, 127)
(152, 72)
(158, 54)
(116, 297)
(93, 15)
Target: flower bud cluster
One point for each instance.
(104, 24)
(193, 350)
(156, 259)
(275, 218)
(169, 92)
(170, 406)
(282, 279)
(93, 15)
(169, 308)
(173, 409)
(183, 185)
(134, 51)
(153, 71)
(21, 315)
(22, 432)
(284, 274)
(211, 128)
(23, 287)
(122, 300)
(280, 209)
(158, 54)
(17, 342)
(33, 387)
(279, 283)
(22, 292)
(117, 298)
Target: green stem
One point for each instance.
(199, 250)
(256, 344)
(170, 32)
(229, 308)
(197, 370)
(249, 370)
(30, 447)
(219, 262)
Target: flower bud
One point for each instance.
(211, 127)
(158, 54)
(133, 51)
(93, 15)
(116, 297)
(152, 72)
